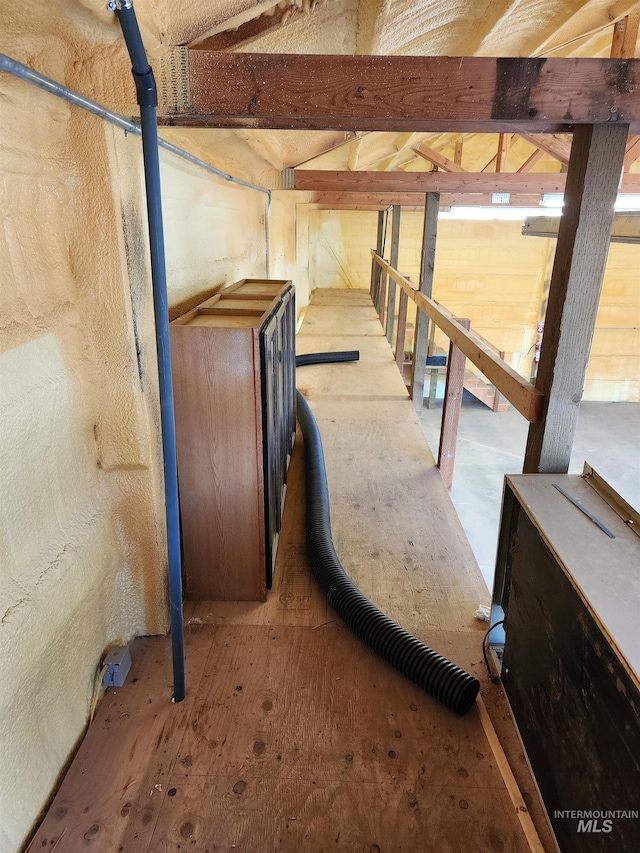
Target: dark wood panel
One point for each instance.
(576, 705)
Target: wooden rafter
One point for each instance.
(632, 152)
(531, 161)
(457, 155)
(249, 31)
(460, 182)
(504, 143)
(437, 158)
(520, 393)
(401, 93)
(548, 143)
(491, 165)
(625, 36)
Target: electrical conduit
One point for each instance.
(148, 100)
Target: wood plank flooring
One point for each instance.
(294, 736)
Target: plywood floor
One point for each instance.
(293, 736)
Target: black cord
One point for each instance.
(494, 678)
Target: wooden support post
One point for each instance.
(498, 396)
(451, 410)
(597, 155)
(379, 250)
(382, 310)
(395, 242)
(427, 265)
(402, 329)
(374, 276)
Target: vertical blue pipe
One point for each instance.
(147, 99)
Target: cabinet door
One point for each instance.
(270, 440)
(290, 369)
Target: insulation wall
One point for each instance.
(487, 271)
(82, 554)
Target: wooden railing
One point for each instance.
(519, 392)
(464, 343)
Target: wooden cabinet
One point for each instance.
(571, 664)
(234, 384)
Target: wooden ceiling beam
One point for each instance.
(462, 182)
(403, 93)
(437, 159)
(415, 201)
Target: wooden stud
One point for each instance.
(405, 93)
(382, 309)
(395, 242)
(380, 250)
(625, 36)
(248, 31)
(451, 410)
(531, 161)
(556, 148)
(632, 153)
(427, 265)
(437, 159)
(457, 155)
(520, 393)
(581, 253)
(504, 143)
(372, 284)
(402, 329)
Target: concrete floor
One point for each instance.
(491, 444)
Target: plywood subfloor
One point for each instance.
(294, 736)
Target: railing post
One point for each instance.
(395, 242)
(382, 311)
(372, 284)
(498, 397)
(451, 410)
(421, 335)
(402, 329)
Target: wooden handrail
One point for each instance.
(523, 396)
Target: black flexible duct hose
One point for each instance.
(327, 357)
(436, 675)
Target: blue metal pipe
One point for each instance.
(147, 99)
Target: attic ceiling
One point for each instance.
(410, 27)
